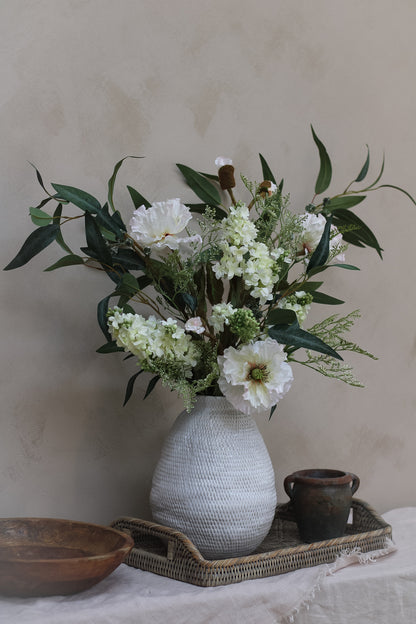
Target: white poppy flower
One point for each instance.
(162, 224)
(256, 376)
(313, 228)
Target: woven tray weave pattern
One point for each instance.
(170, 553)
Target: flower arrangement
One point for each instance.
(229, 283)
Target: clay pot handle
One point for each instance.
(355, 483)
(288, 485)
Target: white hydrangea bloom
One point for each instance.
(221, 314)
(162, 225)
(256, 376)
(313, 228)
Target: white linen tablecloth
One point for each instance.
(378, 592)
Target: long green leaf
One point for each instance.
(267, 173)
(325, 172)
(95, 240)
(321, 253)
(38, 240)
(59, 238)
(130, 386)
(346, 201)
(79, 198)
(364, 169)
(320, 297)
(294, 336)
(138, 199)
(112, 180)
(69, 260)
(279, 316)
(206, 191)
(397, 188)
(109, 347)
(378, 177)
(39, 217)
(129, 260)
(151, 385)
(102, 309)
(362, 232)
(310, 286)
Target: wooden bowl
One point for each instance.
(47, 556)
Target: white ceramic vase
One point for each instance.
(215, 480)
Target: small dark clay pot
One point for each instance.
(322, 500)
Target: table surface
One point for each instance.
(380, 592)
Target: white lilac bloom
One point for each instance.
(195, 325)
(162, 225)
(313, 228)
(256, 376)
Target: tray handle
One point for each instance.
(163, 547)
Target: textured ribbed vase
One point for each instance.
(215, 480)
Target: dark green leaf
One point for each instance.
(129, 260)
(39, 177)
(272, 411)
(186, 300)
(364, 169)
(319, 297)
(281, 185)
(200, 209)
(362, 232)
(105, 221)
(200, 283)
(128, 286)
(310, 286)
(109, 347)
(69, 260)
(378, 177)
(130, 386)
(39, 217)
(59, 238)
(206, 191)
(321, 253)
(398, 189)
(96, 242)
(210, 176)
(317, 270)
(102, 309)
(138, 200)
(151, 385)
(267, 174)
(38, 240)
(325, 172)
(349, 267)
(347, 201)
(294, 336)
(112, 180)
(79, 198)
(281, 317)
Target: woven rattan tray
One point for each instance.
(168, 552)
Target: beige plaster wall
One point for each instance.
(85, 82)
